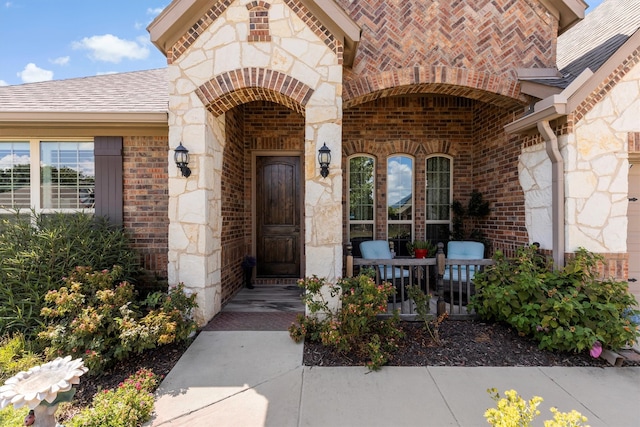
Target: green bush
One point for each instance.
(355, 326)
(129, 405)
(569, 309)
(37, 250)
(15, 356)
(94, 317)
(11, 417)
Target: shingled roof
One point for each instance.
(593, 40)
(134, 92)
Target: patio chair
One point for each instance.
(379, 249)
(454, 274)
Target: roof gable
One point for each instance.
(184, 20)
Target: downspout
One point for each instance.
(557, 191)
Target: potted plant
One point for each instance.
(248, 263)
(421, 248)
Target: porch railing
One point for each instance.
(450, 296)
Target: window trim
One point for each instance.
(426, 189)
(413, 196)
(375, 185)
(35, 184)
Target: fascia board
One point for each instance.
(551, 107)
(538, 90)
(75, 117)
(594, 80)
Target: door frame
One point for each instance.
(254, 224)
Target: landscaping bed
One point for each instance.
(464, 343)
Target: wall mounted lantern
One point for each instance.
(181, 157)
(324, 158)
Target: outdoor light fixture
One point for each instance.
(324, 158)
(181, 157)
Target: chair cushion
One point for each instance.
(465, 250)
(462, 250)
(375, 249)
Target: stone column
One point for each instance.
(194, 209)
(323, 196)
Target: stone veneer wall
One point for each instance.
(595, 143)
(145, 201)
(308, 57)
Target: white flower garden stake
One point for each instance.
(40, 386)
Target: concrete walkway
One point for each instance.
(256, 378)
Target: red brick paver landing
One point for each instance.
(239, 321)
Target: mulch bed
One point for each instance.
(464, 343)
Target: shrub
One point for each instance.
(129, 405)
(512, 410)
(568, 310)
(11, 417)
(15, 357)
(94, 317)
(355, 326)
(37, 250)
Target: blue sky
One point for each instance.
(60, 39)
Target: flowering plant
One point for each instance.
(513, 410)
(355, 327)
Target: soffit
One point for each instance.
(567, 12)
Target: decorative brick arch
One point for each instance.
(414, 148)
(478, 85)
(240, 86)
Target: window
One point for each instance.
(361, 200)
(400, 202)
(15, 175)
(47, 175)
(439, 196)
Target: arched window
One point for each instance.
(361, 200)
(400, 213)
(439, 171)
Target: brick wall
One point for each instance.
(234, 216)
(146, 199)
(483, 35)
(469, 131)
(495, 175)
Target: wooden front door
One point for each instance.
(278, 237)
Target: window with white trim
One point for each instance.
(400, 214)
(47, 176)
(361, 172)
(439, 195)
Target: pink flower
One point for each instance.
(596, 350)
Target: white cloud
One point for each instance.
(8, 4)
(10, 160)
(3, 83)
(109, 48)
(399, 179)
(154, 11)
(63, 60)
(32, 73)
